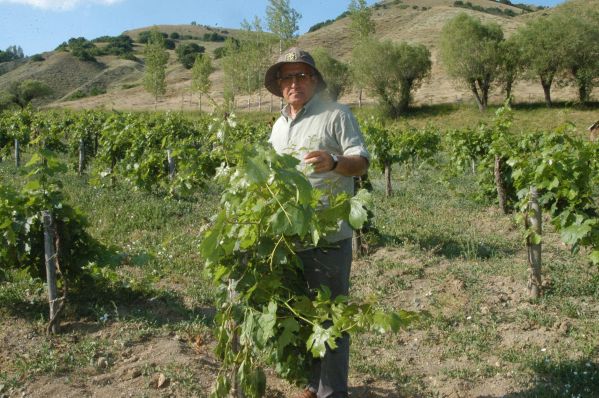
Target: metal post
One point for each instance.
(81, 157)
(17, 153)
(171, 165)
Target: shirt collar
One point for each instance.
(306, 108)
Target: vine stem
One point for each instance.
(279, 202)
(297, 314)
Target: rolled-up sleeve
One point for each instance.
(348, 135)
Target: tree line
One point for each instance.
(554, 49)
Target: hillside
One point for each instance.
(119, 81)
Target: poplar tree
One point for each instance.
(247, 59)
(282, 20)
(362, 29)
(200, 75)
(361, 24)
(156, 58)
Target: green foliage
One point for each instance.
(213, 36)
(115, 45)
(335, 73)
(282, 20)
(414, 146)
(11, 53)
(320, 25)
(471, 54)
(466, 147)
(21, 228)
(200, 74)
(391, 71)
(564, 170)
(144, 37)
(542, 47)
(580, 42)
(187, 53)
(247, 59)
(80, 48)
(270, 210)
(511, 65)
(379, 141)
(361, 26)
(489, 10)
(24, 91)
(156, 58)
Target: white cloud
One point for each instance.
(58, 4)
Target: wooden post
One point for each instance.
(17, 153)
(81, 157)
(233, 296)
(50, 257)
(171, 165)
(501, 194)
(533, 244)
(388, 189)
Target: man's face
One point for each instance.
(298, 83)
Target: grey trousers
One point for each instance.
(330, 267)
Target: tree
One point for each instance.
(361, 24)
(282, 20)
(23, 92)
(362, 28)
(12, 53)
(470, 51)
(511, 65)
(540, 43)
(156, 58)
(391, 71)
(247, 59)
(200, 75)
(334, 72)
(580, 43)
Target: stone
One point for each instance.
(163, 381)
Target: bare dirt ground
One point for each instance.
(132, 363)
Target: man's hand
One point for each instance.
(321, 160)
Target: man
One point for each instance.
(326, 135)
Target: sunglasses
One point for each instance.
(296, 77)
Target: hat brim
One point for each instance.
(271, 77)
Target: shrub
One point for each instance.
(145, 35)
(169, 44)
(186, 53)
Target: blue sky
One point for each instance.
(41, 25)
